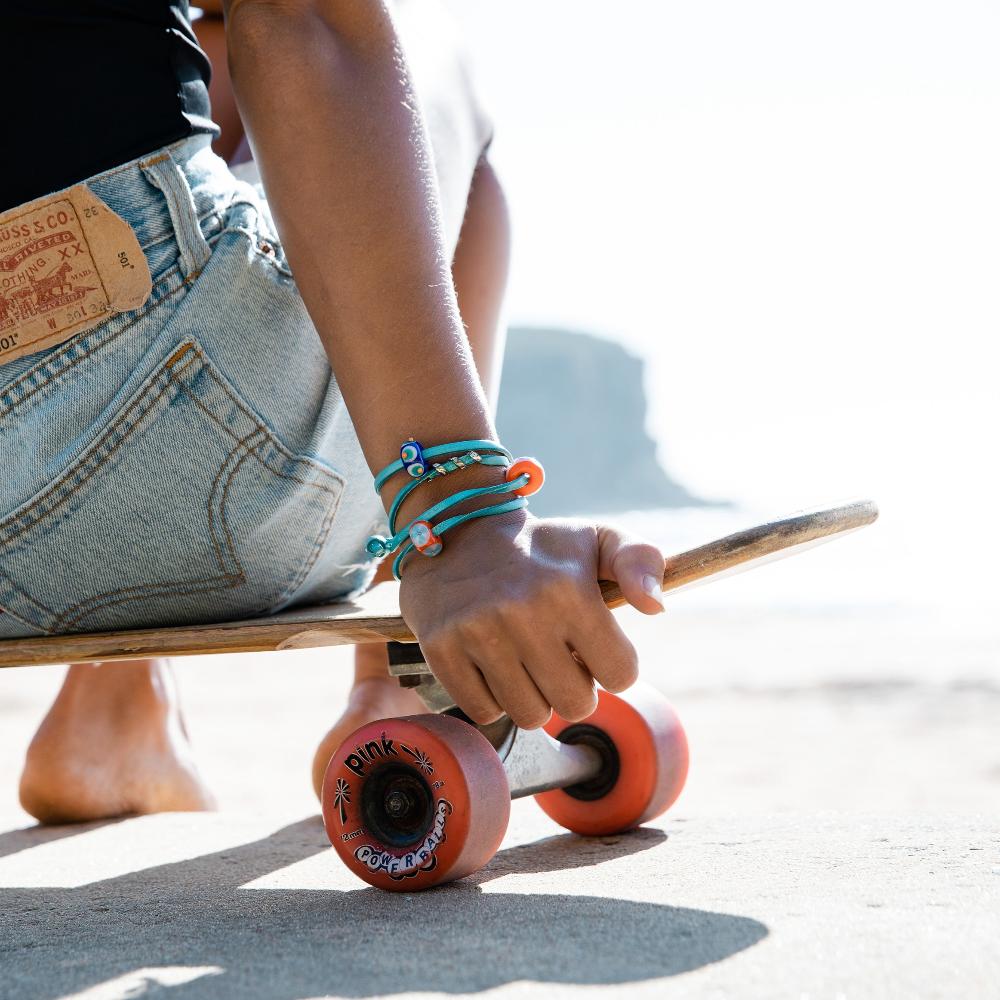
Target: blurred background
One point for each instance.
(789, 213)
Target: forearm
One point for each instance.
(338, 136)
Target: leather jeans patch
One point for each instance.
(67, 263)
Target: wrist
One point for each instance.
(446, 492)
(471, 549)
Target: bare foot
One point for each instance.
(375, 695)
(113, 744)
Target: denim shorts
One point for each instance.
(191, 461)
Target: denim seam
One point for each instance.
(210, 585)
(318, 545)
(9, 405)
(307, 565)
(149, 396)
(8, 585)
(24, 621)
(244, 446)
(273, 439)
(227, 580)
(224, 581)
(302, 459)
(170, 235)
(57, 491)
(314, 463)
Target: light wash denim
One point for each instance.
(191, 461)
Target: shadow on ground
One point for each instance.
(15, 841)
(291, 944)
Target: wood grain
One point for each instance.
(375, 617)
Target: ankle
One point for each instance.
(137, 683)
(371, 663)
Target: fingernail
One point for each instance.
(652, 587)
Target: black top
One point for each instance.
(92, 84)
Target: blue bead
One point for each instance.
(411, 452)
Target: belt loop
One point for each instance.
(164, 173)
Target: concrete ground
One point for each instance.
(837, 840)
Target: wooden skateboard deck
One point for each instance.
(375, 617)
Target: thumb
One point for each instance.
(635, 565)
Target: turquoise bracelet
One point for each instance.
(378, 546)
(442, 469)
(453, 522)
(440, 449)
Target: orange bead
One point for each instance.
(530, 467)
(424, 540)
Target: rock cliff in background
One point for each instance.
(577, 403)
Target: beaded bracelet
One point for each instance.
(524, 477)
(413, 457)
(379, 546)
(427, 539)
(439, 469)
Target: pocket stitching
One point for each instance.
(32, 625)
(272, 438)
(68, 619)
(309, 460)
(9, 390)
(149, 397)
(9, 584)
(225, 580)
(317, 547)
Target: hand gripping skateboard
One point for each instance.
(414, 802)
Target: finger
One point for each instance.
(510, 683)
(462, 679)
(599, 641)
(636, 566)
(565, 683)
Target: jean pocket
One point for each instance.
(183, 507)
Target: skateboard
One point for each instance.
(413, 802)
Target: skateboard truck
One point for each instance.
(533, 761)
(417, 801)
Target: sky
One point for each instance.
(790, 210)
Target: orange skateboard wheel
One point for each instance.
(530, 467)
(413, 802)
(645, 750)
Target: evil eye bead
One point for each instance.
(375, 546)
(412, 457)
(531, 468)
(424, 540)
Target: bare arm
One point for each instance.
(342, 149)
(338, 135)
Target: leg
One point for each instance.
(479, 269)
(112, 744)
